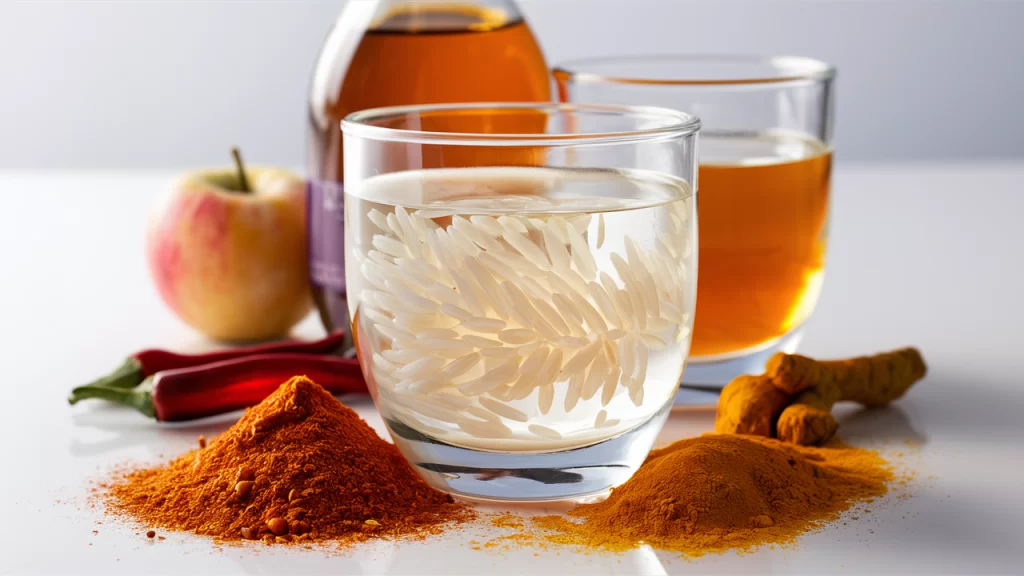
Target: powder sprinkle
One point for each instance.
(722, 491)
(299, 467)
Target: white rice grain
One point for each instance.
(477, 235)
(396, 228)
(392, 332)
(383, 364)
(517, 336)
(500, 352)
(373, 315)
(390, 246)
(611, 352)
(551, 316)
(378, 219)
(544, 432)
(518, 263)
(652, 341)
(569, 312)
(445, 347)
(403, 356)
(480, 341)
(580, 360)
(670, 312)
(555, 248)
(545, 398)
(624, 306)
(615, 334)
(482, 413)
(412, 300)
(484, 429)
(535, 288)
(453, 401)
(493, 294)
(528, 373)
(463, 242)
(528, 249)
(512, 225)
(611, 383)
(487, 224)
(548, 374)
(593, 318)
(456, 312)
(595, 377)
(640, 359)
(484, 324)
(430, 214)
(636, 392)
(572, 342)
(470, 292)
(627, 356)
(460, 366)
(491, 379)
(581, 255)
(429, 385)
(575, 281)
(603, 302)
(421, 368)
(573, 392)
(443, 333)
(416, 322)
(412, 230)
(502, 409)
(600, 231)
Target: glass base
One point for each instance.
(574, 474)
(715, 374)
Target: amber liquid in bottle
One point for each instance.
(762, 236)
(417, 53)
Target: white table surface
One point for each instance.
(928, 255)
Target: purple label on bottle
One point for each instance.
(325, 215)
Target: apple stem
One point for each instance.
(243, 181)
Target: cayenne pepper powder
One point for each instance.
(298, 467)
(724, 491)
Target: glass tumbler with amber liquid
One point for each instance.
(386, 53)
(764, 174)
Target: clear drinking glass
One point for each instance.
(764, 169)
(521, 283)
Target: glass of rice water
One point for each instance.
(521, 285)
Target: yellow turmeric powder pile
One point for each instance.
(725, 491)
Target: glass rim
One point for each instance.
(798, 68)
(677, 124)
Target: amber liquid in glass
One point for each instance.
(423, 54)
(762, 225)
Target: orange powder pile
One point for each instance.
(299, 467)
(719, 492)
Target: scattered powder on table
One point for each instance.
(722, 491)
(299, 467)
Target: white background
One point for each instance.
(925, 250)
(170, 84)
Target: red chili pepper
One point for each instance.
(201, 391)
(141, 365)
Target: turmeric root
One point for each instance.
(793, 399)
(870, 380)
(749, 405)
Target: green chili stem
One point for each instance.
(127, 376)
(139, 398)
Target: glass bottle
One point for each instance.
(385, 53)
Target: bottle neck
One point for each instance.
(440, 15)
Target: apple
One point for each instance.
(227, 251)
